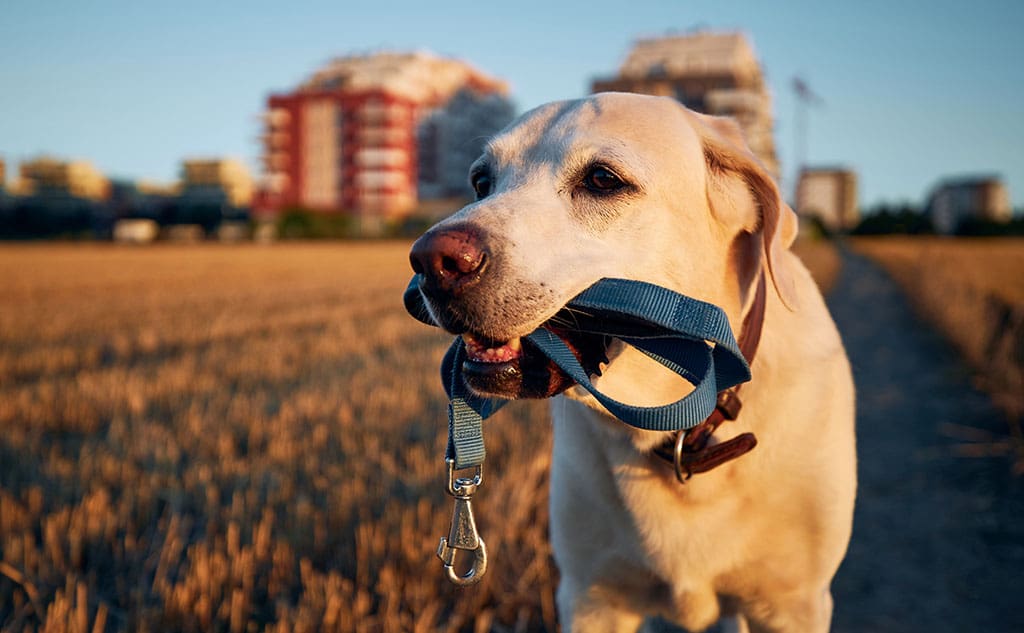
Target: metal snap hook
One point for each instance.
(463, 534)
(475, 573)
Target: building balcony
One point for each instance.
(381, 179)
(277, 182)
(273, 161)
(381, 157)
(277, 117)
(381, 113)
(275, 139)
(378, 137)
(737, 102)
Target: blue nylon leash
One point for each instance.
(691, 338)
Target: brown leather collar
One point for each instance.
(688, 451)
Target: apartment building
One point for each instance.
(830, 195)
(956, 200)
(713, 73)
(372, 135)
(50, 176)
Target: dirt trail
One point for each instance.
(938, 538)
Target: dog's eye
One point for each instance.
(600, 179)
(481, 182)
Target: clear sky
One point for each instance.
(913, 91)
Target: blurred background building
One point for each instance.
(139, 207)
(713, 73)
(223, 180)
(215, 198)
(373, 135)
(51, 176)
(5, 198)
(828, 195)
(956, 201)
(54, 197)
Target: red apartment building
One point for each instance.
(373, 135)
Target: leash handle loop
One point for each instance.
(684, 413)
(692, 338)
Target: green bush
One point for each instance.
(975, 227)
(883, 220)
(311, 225)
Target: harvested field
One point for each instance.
(972, 290)
(242, 438)
(229, 438)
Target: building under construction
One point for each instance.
(713, 73)
(373, 135)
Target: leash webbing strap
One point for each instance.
(689, 337)
(466, 412)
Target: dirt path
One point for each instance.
(938, 538)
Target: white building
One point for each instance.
(830, 195)
(955, 200)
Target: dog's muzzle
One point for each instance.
(456, 274)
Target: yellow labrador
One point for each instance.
(638, 187)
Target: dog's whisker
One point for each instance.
(574, 313)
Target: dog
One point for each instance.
(639, 187)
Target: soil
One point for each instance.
(938, 536)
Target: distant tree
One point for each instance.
(976, 227)
(205, 214)
(299, 223)
(51, 216)
(903, 219)
(293, 224)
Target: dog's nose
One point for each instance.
(452, 260)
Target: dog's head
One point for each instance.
(615, 185)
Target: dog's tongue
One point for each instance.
(482, 350)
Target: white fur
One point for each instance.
(759, 537)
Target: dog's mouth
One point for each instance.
(517, 369)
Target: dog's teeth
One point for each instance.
(497, 354)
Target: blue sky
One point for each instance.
(913, 91)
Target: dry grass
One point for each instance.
(973, 291)
(238, 438)
(241, 438)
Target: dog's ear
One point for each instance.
(742, 193)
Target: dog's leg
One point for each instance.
(594, 612)
(811, 613)
(734, 624)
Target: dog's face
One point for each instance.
(615, 185)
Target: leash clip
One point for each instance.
(463, 534)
